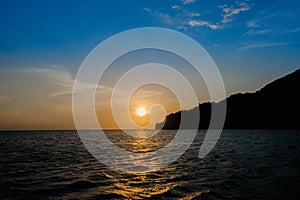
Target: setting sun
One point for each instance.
(141, 111)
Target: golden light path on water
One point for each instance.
(146, 185)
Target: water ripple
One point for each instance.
(244, 165)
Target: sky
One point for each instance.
(43, 43)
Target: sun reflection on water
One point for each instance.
(151, 184)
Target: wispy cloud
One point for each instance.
(195, 23)
(253, 24)
(261, 45)
(148, 93)
(261, 19)
(166, 18)
(176, 7)
(36, 95)
(296, 30)
(62, 93)
(261, 24)
(181, 21)
(59, 82)
(257, 32)
(194, 14)
(229, 11)
(147, 9)
(186, 2)
(184, 18)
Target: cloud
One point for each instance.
(261, 45)
(176, 7)
(181, 28)
(193, 23)
(185, 18)
(166, 18)
(186, 2)
(194, 14)
(213, 26)
(262, 25)
(257, 32)
(147, 9)
(4, 99)
(38, 95)
(62, 93)
(58, 77)
(148, 93)
(196, 23)
(296, 30)
(230, 11)
(61, 80)
(57, 81)
(253, 24)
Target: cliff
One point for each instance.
(275, 106)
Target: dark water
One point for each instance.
(252, 164)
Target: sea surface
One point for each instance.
(245, 164)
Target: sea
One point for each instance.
(244, 164)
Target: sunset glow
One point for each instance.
(38, 65)
(141, 112)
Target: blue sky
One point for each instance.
(252, 41)
(250, 36)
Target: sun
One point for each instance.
(141, 112)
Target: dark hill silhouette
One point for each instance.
(275, 106)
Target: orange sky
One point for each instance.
(41, 98)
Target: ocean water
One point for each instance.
(245, 164)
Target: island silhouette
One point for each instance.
(274, 106)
